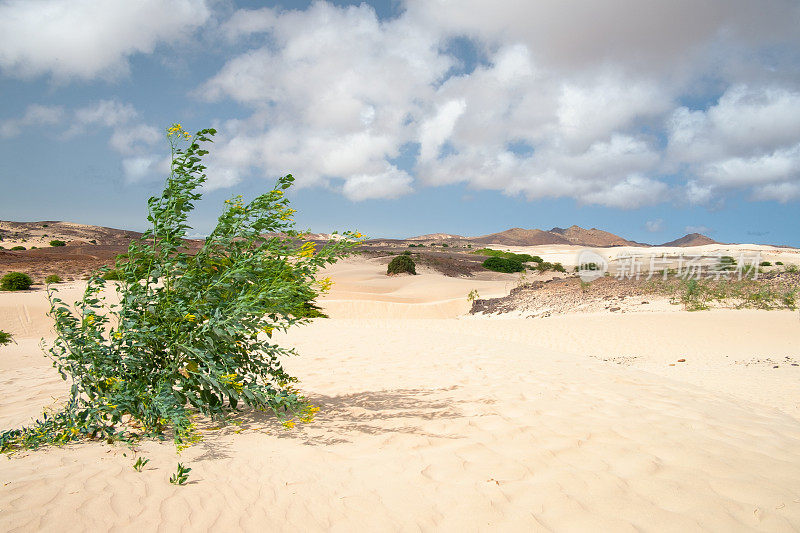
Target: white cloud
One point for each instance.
(392, 183)
(141, 168)
(654, 226)
(133, 139)
(588, 89)
(750, 139)
(698, 229)
(438, 128)
(108, 113)
(87, 38)
(35, 115)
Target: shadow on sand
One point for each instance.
(370, 412)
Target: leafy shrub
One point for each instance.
(52, 278)
(765, 264)
(558, 267)
(45, 225)
(16, 281)
(5, 338)
(193, 334)
(111, 275)
(520, 258)
(56, 242)
(502, 264)
(406, 253)
(18, 248)
(791, 268)
(401, 264)
(779, 263)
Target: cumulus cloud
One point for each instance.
(35, 115)
(392, 183)
(87, 38)
(749, 139)
(654, 226)
(578, 100)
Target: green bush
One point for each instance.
(521, 258)
(16, 281)
(502, 264)
(17, 247)
(56, 242)
(52, 278)
(791, 268)
(406, 253)
(401, 264)
(779, 263)
(111, 275)
(765, 264)
(5, 338)
(193, 336)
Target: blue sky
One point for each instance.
(647, 119)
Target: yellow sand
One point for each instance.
(451, 424)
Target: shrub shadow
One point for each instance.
(369, 412)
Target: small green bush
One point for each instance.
(17, 247)
(112, 275)
(401, 264)
(779, 263)
(193, 334)
(16, 281)
(56, 242)
(765, 264)
(502, 264)
(45, 225)
(52, 278)
(791, 268)
(5, 338)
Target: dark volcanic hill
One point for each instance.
(574, 235)
(521, 237)
(592, 237)
(692, 239)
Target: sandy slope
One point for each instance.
(453, 424)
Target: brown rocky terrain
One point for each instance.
(522, 237)
(592, 237)
(691, 239)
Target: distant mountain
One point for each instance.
(436, 237)
(592, 237)
(42, 232)
(692, 239)
(521, 237)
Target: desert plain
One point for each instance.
(647, 417)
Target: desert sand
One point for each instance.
(432, 420)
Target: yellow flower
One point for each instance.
(190, 317)
(307, 250)
(89, 319)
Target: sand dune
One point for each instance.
(452, 424)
